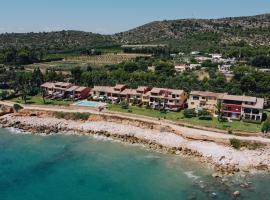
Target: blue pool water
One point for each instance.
(88, 104)
(62, 167)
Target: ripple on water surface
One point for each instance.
(70, 167)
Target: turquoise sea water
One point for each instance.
(70, 167)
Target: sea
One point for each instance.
(63, 167)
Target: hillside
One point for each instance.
(185, 35)
(54, 41)
(195, 33)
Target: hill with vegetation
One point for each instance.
(202, 34)
(61, 41)
(239, 36)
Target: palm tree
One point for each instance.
(219, 108)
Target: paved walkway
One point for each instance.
(187, 132)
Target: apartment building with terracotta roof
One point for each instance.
(203, 100)
(242, 107)
(166, 98)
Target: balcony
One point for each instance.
(232, 108)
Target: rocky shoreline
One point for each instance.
(224, 159)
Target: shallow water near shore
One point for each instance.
(72, 167)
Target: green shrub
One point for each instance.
(235, 143)
(17, 107)
(265, 127)
(124, 105)
(163, 111)
(223, 120)
(264, 117)
(189, 113)
(205, 117)
(72, 116)
(203, 112)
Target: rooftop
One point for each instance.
(48, 85)
(71, 89)
(142, 88)
(107, 89)
(259, 104)
(119, 86)
(239, 98)
(62, 84)
(159, 90)
(80, 89)
(207, 94)
(129, 92)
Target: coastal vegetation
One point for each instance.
(17, 107)
(72, 116)
(236, 143)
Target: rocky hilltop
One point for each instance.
(254, 30)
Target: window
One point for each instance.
(195, 97)
(247, 110)
(255, 111)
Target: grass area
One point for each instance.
(174, 116)
(179, 117)
(37, 100)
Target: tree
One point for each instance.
(51, 75)
(24, 94)
(261, 61)
(219, 109)
(3, 95)
(76, 73)
(130, 67)
(248, 83)
(165, 69)
(265, 127)
(89, 68)
(37, 78)
(43, 96)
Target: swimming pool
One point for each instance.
(89, 104)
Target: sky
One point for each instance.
(112, 16)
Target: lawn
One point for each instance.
(178, 117)
(37, 100)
